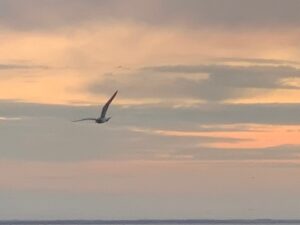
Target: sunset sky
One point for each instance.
(206, 123)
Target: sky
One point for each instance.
(205, 125)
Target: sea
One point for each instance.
(150, 222)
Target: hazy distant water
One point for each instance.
(153, 222)
(76, 223)
(96, 223)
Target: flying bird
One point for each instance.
(102, 118)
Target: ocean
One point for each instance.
(149, 222)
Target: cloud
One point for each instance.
(35, 14)
(142, 132)
(149, 189)
(187, 135)
(159, 116)
(9, 118)
(203, 82)
(235, 76)
(61, 140)
(281, 152)
(257, 61)
(22, 67)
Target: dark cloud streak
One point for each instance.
(22, 67)
(164, 117)
(45, 14)
(224, 82)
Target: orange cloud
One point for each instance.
(255, 136)
(77, 55)
(270, 96)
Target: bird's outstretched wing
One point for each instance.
(84, 119)
(105, 107)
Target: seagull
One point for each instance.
(102, 118)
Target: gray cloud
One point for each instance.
(53, 136)
(282, 152)
(12, 66)
(174, 118)
(224, 82)
(163, 117)
(44, 14)
(54, 140)
(260, 61)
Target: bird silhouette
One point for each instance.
(102, 118)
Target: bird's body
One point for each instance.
(102, 118)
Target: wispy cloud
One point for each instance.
(150, 132)
(9, 118)
(230, 13)
(256, 61)
(199, 136)
(22, 67)
(206, 82)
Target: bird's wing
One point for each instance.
(84, 119)
(105, 107)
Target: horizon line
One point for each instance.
(147, 221)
